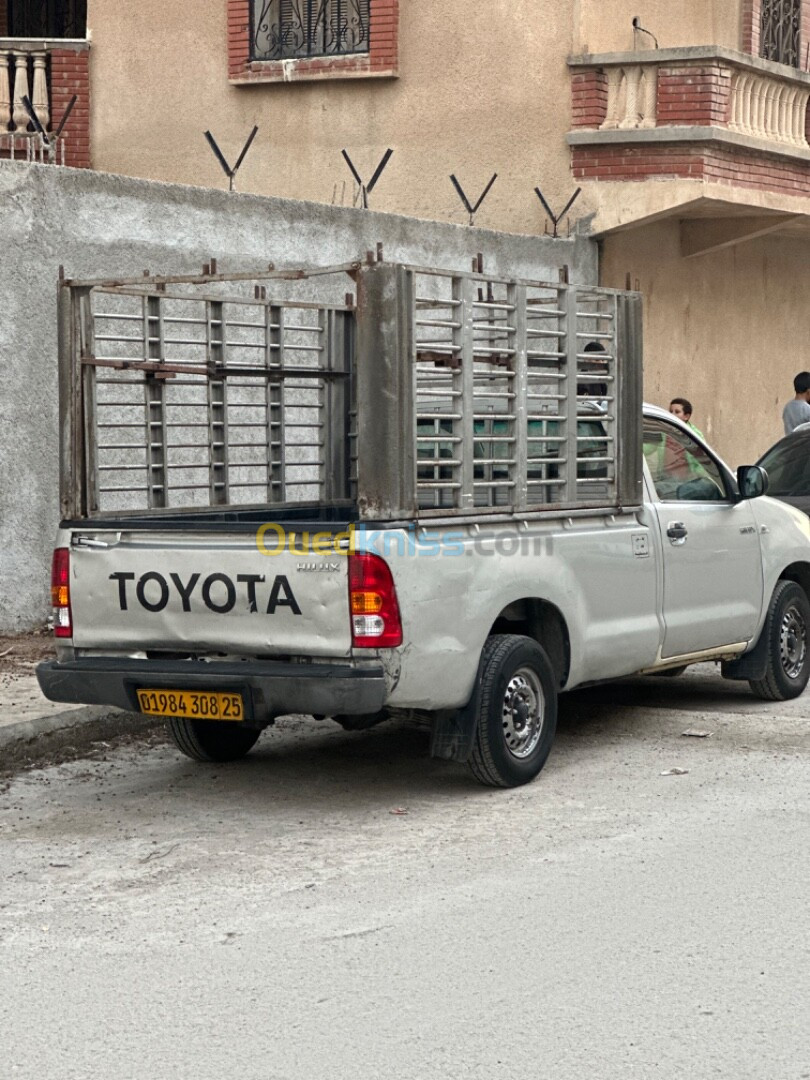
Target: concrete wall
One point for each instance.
(727, 330)
(602, 27)
(97, 225)
(483, 88)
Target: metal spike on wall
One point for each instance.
(555, 219)
(51, 141)
(471, 208)
(366, 189)
(226, 168)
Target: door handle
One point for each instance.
(677, 532)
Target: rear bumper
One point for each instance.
(270, 688)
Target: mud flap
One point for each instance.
(453, 732)
(751, 665)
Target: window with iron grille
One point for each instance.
(780, 31)
(291, 29)
(47, 18)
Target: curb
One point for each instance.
(28, 740)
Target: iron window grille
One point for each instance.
(47, 18)
(780, 31)
(291, 29)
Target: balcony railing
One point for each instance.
(631, 97)
(700, 87)
(768, 108)
(25, 72)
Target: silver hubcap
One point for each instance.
(792, 643)
(522, 714)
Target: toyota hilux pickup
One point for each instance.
(437, 498)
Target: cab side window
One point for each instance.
(680, 468)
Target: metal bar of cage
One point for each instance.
(502, 413)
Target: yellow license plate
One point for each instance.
(193, 704)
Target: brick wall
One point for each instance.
(686, 95)
(382, 59)
(70, 74)
(751, 15)
(714, 163)
(589, 98)
(238, 37)
(694, 95)
(384, 34)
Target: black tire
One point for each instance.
(671, 673)
(212, 740)
(515, 678)
(787, 636)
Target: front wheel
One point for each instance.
(787, 637)
(517, 711)
(212, 740)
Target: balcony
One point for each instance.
(49, 72)
(704, 113)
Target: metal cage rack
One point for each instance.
(418, 393)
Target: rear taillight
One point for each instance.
(373, 600)
(60, 593)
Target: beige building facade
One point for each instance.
(686, 132)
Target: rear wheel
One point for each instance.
(212, 740)
(787, 635)
(517, 712)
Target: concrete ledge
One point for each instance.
(28, 740)
(694, 54)
(624, 205)
(684, 133)
(77, 45)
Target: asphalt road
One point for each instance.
(277, 919)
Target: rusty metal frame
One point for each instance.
(142, 368)
(504, 358)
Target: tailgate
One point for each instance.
(139, 590)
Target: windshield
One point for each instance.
(788, 467)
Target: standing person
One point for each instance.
(797, 411)
(682, 408)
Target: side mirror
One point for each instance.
(752, 480)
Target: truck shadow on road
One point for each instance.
(694, 693)
(315, 761)
(303, 770)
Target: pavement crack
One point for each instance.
(160, 854)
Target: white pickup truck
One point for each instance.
(496, 519)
